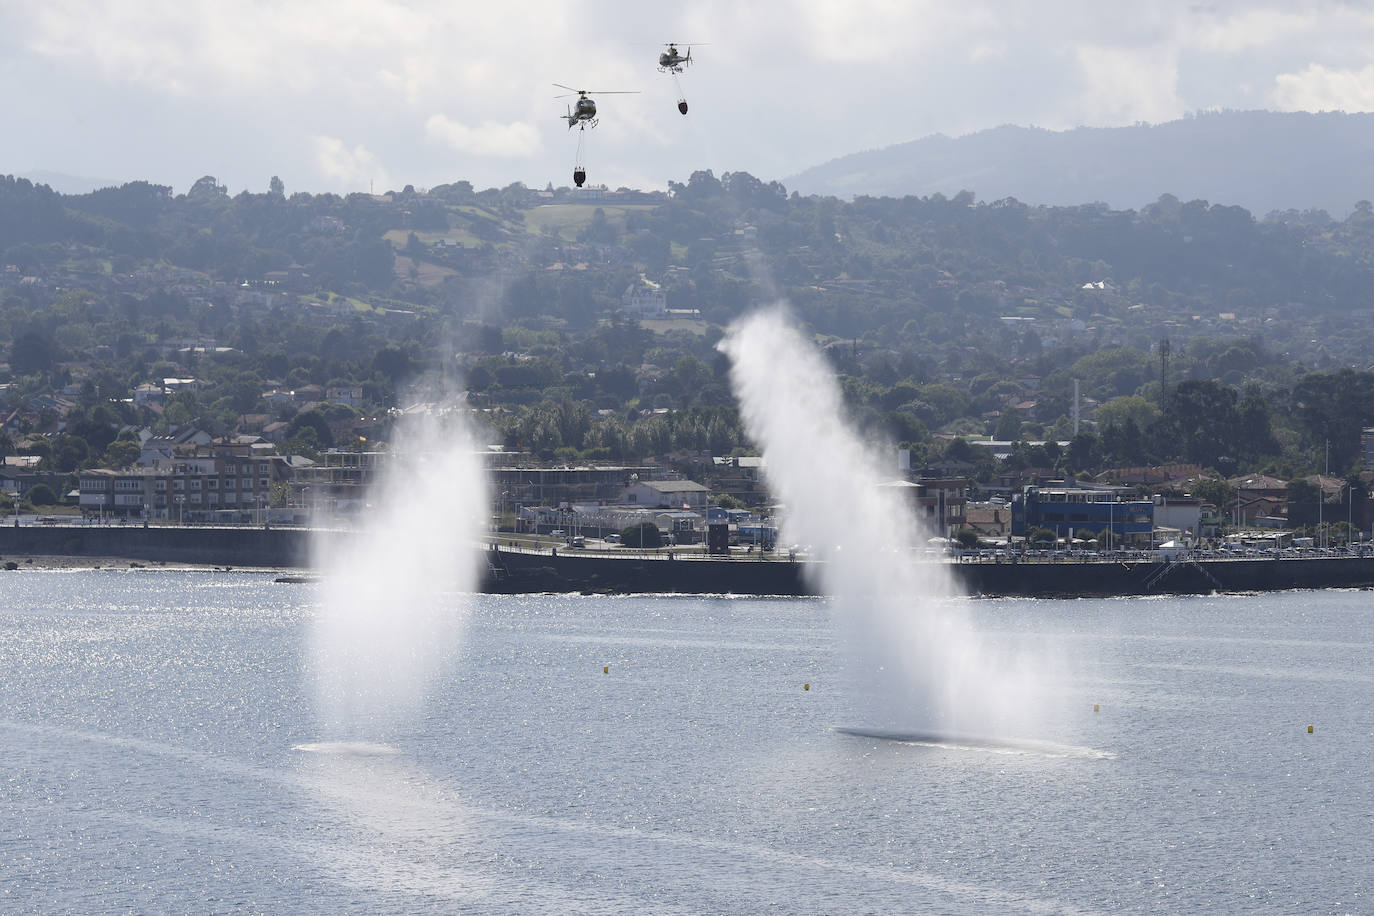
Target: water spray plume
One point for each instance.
(915, 655)
(395, 590)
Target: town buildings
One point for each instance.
(186, 489)
(1081, 513)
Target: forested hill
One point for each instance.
(586, 322)
(1259, 160)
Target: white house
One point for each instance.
(148, 393)
(644, 299)
(160, 448)
(666, 494)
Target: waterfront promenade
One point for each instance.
(512, 565)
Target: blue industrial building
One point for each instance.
(1081, 513)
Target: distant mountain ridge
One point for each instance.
(1259, 160)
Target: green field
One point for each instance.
(399, 237)
(664, 325)
(567, 220)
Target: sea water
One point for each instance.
(161, 751)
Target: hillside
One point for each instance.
(1263, 161)
(585, 323)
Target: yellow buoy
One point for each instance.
(605, 669)
(1094, 707)
(806, 686)
(1309, 729)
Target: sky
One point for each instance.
(352, 95)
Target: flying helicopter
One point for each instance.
(674, 62)
(670, 61)
(582, 113)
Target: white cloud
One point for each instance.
(1318, 88)
(372, 50)
(880, 30)
(355, 169)
(1122, 85)
(516, 140)
(1248, 30)
(441, 90)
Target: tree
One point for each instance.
(967, 537)
(41, 495)
(1130, 408)
(1008, 427)
(1214, 490)
(276, 188)
(207, 188)
(644, 534)
(69, 453)
(1333, 408)
(313, 419)
(1201, 423)
(122, 452)
(1302, 492)
(32, 352)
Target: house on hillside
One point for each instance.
(1256, 495)
(644, 299)
(165, 448)
(938, 503)
(148, 394)
(344, 394)
(740, 477)
(989, 520)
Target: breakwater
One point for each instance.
(507, 570)
(272, 547)
(516, 571)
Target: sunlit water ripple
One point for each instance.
(161, 752)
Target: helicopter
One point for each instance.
(670, 61)
(673, 62)
(582, 113)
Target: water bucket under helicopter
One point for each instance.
(682, 105)
(579, 176)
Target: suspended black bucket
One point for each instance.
(579, 176)
(682, 106)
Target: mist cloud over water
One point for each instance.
(910, 645)
(395, 591)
